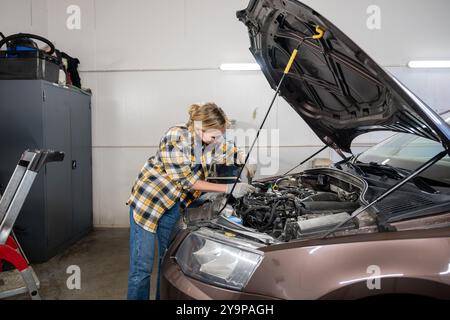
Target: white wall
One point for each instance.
(146, 61)
(28, 16)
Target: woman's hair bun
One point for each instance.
(193, 109)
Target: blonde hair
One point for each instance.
(210, 115)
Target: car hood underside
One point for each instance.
(333, 84)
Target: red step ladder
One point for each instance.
(31, 162)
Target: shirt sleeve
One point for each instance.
(175, 154)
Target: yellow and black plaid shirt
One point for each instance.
(168, 176)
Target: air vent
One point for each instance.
(400, 204)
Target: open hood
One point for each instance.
(333, 85)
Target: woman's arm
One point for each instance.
(240, 190)
(205, 186)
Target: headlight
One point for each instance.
(210, 260)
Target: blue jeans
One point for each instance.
(142, 252)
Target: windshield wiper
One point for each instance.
(393, 171)
(392, 189)
(401, 173)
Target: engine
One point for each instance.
(296, 207)
(292, 207)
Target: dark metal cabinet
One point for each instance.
(39, 114)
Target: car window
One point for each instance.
(409, 151)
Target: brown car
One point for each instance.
(372, 224)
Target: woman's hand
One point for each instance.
(240, 190)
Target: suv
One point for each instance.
(371, 224)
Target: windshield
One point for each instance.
(408, 151)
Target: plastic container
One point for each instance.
(235, 219)
(28, 65)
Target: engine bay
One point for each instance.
(298, 206)
(293, 207)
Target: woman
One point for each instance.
(171, 180)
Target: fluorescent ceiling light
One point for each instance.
(240, 67)
(429, 64)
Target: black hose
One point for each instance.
(30, 36)
(333, 206)
(272, 216)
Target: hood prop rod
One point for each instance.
(316, 36)
(307, 159)
(392, 189)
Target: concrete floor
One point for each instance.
(103, 258)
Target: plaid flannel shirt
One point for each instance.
(169, 176)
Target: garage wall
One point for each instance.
(28, 16)
(146, 61)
